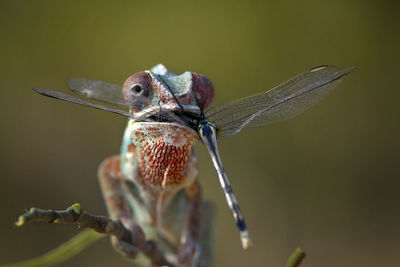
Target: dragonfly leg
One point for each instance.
(109, 175)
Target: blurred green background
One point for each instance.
(327, 180)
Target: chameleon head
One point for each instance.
(163, 143)
(155, 91)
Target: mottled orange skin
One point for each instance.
(164, 153)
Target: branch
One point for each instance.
(296, 258)
(75, 215)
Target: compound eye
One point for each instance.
(137, 89)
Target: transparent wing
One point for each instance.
(102, 91)
(75, 100)
(72, 99)
(280, 103)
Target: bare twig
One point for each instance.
(75, 215)
(296, 258)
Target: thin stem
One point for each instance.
(296, 258)
(62, 253)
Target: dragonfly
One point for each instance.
(153, 182)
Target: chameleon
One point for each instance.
(153, 182)
(152, 185)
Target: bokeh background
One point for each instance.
(327, 180)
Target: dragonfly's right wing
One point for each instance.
(280, 103)
(75, 100)
(99, 90)
(102, 91)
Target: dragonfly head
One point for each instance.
(158, 91)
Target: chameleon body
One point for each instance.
(152, 185)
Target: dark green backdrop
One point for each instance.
(327, 181)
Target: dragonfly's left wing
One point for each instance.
(99, 90)
(280, 103)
